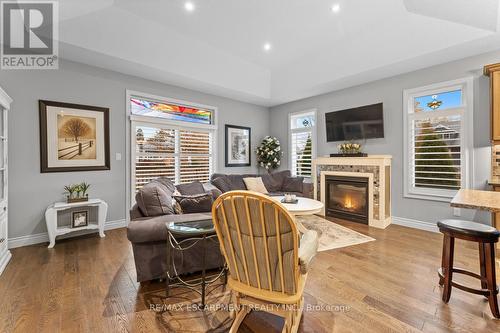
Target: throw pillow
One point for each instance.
(175, 205)
(154, 200)
(191, 188)
(198, 203)
(222, 183)
(255, 184)
(293, 184)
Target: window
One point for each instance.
(172, 139)
(438, 140)
(302, 127)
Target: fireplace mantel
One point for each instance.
(375, 167)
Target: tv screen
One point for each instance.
(365, 122)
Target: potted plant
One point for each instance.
(77, 192)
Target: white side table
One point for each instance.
(51, 218)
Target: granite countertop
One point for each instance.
(494, 180)
(476, 199)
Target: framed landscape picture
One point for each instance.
(73, 137)
(238, 146)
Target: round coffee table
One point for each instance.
(304, 206)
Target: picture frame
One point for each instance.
(238, 146)
(80, 219)
(73, 137)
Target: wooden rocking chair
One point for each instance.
(260, 242)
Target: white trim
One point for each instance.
(4, 260)
(44, 236)
(314, 135)
(415, 224)
(466, 85)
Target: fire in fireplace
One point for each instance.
(347, 198)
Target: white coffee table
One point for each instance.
(305, 206)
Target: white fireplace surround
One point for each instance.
(349, 174)
(377, 168)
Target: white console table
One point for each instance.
(51, 218)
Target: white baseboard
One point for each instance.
(4, 260)
(44, 237)
(416, 224)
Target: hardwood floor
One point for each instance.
(389, 285)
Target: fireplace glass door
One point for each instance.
(347, 198)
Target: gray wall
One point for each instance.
(390, 92)
(30, 191)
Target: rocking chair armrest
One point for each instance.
(307, 250)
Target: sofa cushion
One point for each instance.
(154, 199)
(237, 182)
(198, 203)
(293, 184)
(274, 181)
(154, 229)
(255, 184)
(212, 189)
(222, 183)
(191, 188)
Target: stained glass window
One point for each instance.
(142, 107)
(445, 100)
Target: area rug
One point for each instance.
(332, 235)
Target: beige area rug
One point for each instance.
(332, 235)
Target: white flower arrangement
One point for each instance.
(269, 153)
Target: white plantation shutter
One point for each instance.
(183, 156)
(302, 142)
(302, 153)
(437, 155)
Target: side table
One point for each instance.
(51, 218)
(191, 233)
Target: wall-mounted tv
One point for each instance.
(365, 122)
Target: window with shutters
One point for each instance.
(302, 141)
(438, 139)
(172, 139)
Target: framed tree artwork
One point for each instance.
(238, 146)
(73, 137)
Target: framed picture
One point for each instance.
(238, 146)
(80, 219)
(73, 137)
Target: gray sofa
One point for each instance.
(277, 183)
(148, 236)
(147, 231)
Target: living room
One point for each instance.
(155, 161)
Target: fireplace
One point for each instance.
(347, 198)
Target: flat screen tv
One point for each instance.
(365, 122)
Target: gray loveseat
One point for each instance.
(277, 183)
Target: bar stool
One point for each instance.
(486, 236)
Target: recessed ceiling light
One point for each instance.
(189, 6)
(335, 8)
(267, 47)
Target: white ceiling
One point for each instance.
(217, 48)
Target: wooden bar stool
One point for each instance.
(486, 236)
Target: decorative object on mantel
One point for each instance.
(77, 192)
(350, 148)
(59, 209)
(73, 137)
(269, 153)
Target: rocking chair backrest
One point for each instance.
(259, 240)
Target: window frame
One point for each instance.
(312, 129)
(466, 136)
(134, 121)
